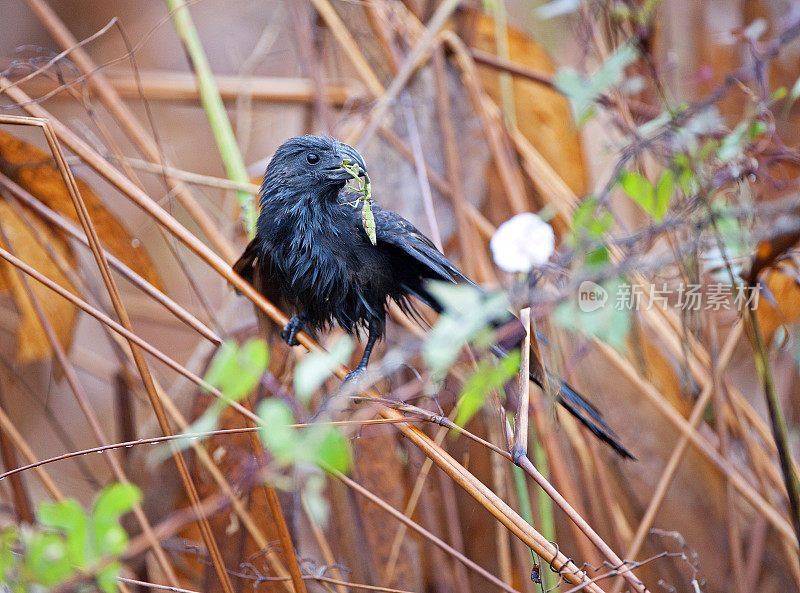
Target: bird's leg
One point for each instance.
(290, 330)
(337, 401)
(362, 365)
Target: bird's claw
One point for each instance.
(339, 400)
(354, 375)
(291, 329)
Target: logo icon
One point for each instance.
(591, 296)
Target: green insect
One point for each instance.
(363, 186)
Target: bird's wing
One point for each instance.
(250, 266)
(246, 264)
(393, 229)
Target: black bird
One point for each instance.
(311, 255)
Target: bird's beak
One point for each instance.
(354, 161)
(355, 158)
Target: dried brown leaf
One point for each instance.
(33, 169)
(32, 343)
(543, 114)
(783, 305)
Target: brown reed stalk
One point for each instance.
(478, 267)
(69, 228)
(171, 409)
(722, 429)
(564, 198)
(424, 532)
(22, 502)
(364, 130)
(167, 85)
(731, 473)
(129, 123)
(119, 307)
(94, 423)
(350, 47)
(7, 426)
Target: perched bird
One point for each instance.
(311, 255)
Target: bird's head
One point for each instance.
(311, 162)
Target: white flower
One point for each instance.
(521, 242)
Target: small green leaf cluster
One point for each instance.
(653, 199)
(235, 370)
(308, 449)
(68, 542)
(320, 445)
(467, 317)
(590, 222)
(490, 375)
(583, 91)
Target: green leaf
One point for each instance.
(687, 181)
(328, 447)
(276, 435)
(110, 540)
(757, 128)
(612, 71)
(47, 560)
(237, 370)
(735, 142)
(224, 359)
(489, 375)
(598, 257)
(315, 368)
(313, 499)
(640, 191)
(588, 223)
(320, 444)
(778, 94)
(468, 312)
(107, 577)
(67, 516)
(664, 187)
(580, 92)
(9, 561)
(114, 501)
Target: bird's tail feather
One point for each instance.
(509, 335)
(588, 415)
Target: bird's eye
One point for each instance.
(312, 158)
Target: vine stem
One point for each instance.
(779, 431)
(215, 109)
